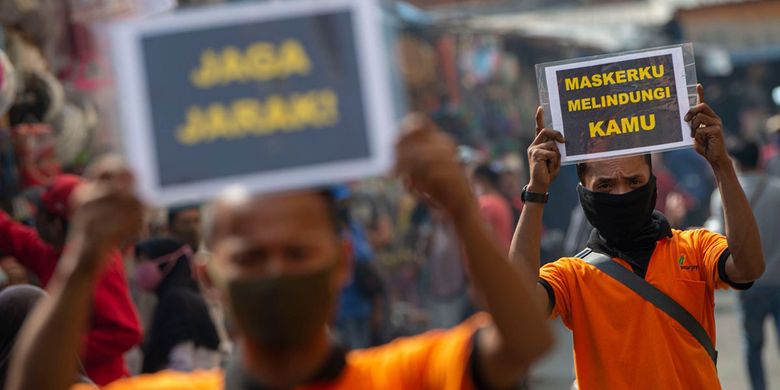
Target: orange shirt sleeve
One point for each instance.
(436, 360)
(556, 275)
(169, 380)
(710, 246)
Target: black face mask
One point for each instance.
(619, 219)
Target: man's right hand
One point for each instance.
(426, 160)
(106, 213)
(544, 159)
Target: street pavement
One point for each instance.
(556, 372)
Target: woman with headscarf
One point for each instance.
(181, 335)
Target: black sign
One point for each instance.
(255, 97)
(269, 96)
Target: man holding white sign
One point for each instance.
(639, 300)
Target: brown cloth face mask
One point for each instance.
(282, 312)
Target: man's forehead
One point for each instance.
(307, 208)
(631, 165)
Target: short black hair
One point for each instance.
(174, 212)
(746, 153)
(487, 173)
(582, 167)
(157, 247)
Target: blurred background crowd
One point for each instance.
(469, 64)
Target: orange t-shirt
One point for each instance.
(622, 341)
(433, 360)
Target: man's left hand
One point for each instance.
(707, 131)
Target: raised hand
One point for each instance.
(107, 212)
(707, 131)
(426, 160)
(544, 158)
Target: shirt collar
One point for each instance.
(237, 378)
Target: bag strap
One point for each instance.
(653, 295)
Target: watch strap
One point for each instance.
(534, 197)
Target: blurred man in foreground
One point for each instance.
(621, 339)
(279, 262)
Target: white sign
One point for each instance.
(270, 96)
(617, 105)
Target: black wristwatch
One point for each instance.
(534, 197)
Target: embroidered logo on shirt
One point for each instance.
(681, 262)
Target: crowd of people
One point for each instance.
(435, 278)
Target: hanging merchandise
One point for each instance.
(12, 12)
(9, 175)
(74, 128)
(418, 62)
(509, 69)
(7, 83)
(480, 59)
(38, 21)
(89, 11)
(88, 69)
(8, 172)
(23, 53)
(39, 98)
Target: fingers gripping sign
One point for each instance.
(707, 131)
(544, 158)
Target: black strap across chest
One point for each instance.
(653, 295)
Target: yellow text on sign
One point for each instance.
(614, 77)
(630, 124)
(251, 117)
(617, 99)
(260, 61)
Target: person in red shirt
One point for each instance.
(494, 207)
(114, 327)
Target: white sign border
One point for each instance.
(682, 100)
(135, 119)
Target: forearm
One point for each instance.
(46, 353)
(740, 226)
(507, 294)
(526, 242)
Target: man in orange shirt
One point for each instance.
(622, 340)
(279, 262)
